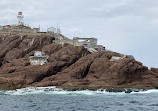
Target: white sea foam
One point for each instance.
(146, 92)
(59, 91)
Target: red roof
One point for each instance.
(20, 13)
(7, 26)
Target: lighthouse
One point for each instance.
(20, 18)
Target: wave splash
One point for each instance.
(60, 91)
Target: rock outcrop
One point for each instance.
(68, 66)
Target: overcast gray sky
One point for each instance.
(126, 26)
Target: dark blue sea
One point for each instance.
(53, 99)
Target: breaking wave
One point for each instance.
(59, 91)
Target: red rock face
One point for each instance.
(155, 70)
(68, 66)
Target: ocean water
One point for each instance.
(54, 99)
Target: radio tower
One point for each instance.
(20, 18)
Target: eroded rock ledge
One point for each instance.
(68, 67)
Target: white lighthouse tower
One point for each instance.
(20, 18)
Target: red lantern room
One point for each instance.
(20, 13)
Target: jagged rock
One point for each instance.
(68, 66)
(96, 70)
(155, 70)
(8, 45)
(14, 54)
(51, 48)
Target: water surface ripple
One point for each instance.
(54, 99)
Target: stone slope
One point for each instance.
(68, 67)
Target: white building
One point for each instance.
(39, 58)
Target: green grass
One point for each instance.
(22, 33)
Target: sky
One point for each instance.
(126, 26)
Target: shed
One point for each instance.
(39, 58)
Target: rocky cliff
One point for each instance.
(68, 67)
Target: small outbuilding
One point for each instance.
(115, 58)
(131, 57)
(39, 58)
